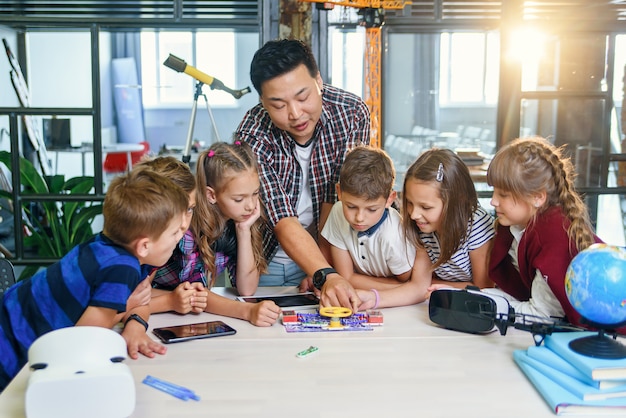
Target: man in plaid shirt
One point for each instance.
(300, 132)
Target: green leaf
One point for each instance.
(31, 179)
(63, 225)
(56, 183)
(28, 271)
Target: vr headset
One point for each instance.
(470, 310)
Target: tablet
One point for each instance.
(285, 301)
(196, 331)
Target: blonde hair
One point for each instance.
(527, 166)
(444, 168)
(172, 168)
(215, 167)
(141, 204)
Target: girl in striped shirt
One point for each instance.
(451, 232)
(442, 216)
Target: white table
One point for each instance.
(407, 368)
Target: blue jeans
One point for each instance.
(282, 275)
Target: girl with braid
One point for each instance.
(542, 223)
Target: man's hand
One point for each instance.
(338, 291)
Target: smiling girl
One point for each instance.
(442, 216)
(451, 232)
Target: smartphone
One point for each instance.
(196, 331)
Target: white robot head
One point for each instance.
(76, 371)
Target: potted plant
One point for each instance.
(53, 228)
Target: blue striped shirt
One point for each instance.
(459, 268)
(344, 124)
(97, 273)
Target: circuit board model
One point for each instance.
(314, 322)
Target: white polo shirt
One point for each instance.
(381, 251)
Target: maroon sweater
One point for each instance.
(544, 246)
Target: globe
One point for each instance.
(595, 284)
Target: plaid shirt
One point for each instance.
(344, 124)
(185, 265)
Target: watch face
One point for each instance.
(319, 278)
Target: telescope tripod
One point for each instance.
(192, 121)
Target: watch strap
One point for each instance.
(319, 277)
(138, 319)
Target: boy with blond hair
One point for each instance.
(91, 285)
(364, 230)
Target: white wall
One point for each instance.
(59, 70)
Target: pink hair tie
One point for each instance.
(211, 153)
(237, 142)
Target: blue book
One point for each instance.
(578, 388)
(562, 401)
(595, 368)
(549, 357)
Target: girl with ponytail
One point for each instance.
(225, 219)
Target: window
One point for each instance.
(347, 48)
(620, 69)
(212, 53)
(469, 65)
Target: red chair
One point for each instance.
(117, 162)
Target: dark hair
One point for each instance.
(367, 172)
(456, 189)
(278, 57)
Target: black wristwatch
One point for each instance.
(319, 277)
(138, 319)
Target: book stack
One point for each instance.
(572, 383)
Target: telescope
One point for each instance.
(178, 64)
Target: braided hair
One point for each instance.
(527, 166)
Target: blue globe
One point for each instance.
(595, 284)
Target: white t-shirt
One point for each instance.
(305, 201)
(381, 251)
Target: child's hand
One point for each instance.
(140, 296)
(306, 285)
(368, 299)
(264, 314)
(256, 213)
(189, 297)
(434, 287)
(137, 341)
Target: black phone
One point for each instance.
(178, 333)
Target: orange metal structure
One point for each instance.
(373, 49)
